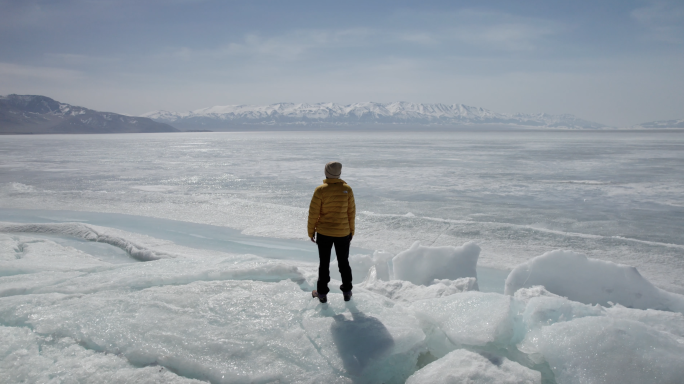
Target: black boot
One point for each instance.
(323, 298)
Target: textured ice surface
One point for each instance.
(203, 309)
(90, 233)
(21, 254)
(602, 350)
(469, 318)
(613, 196)
(579, 278)
(670, 322)
(230, 318)
(232, 331)
(27, 357)
(461, 366)
(421, 265)
(405, 291)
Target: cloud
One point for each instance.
(494, 31)
(294, 45)
(418, 37)
(11, 71)
(507, 37)
(288, 47)
(464, 33)
(80, 60)
(662, 21)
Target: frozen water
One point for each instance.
(672, 323)
(90, 233)
(613, 196)
(101, 251)
(27, 357)
(223, 317)
(591, 281)
(591, 344)
(179, 232)
(405, 291)
(421, 265)
(469, 318)
(234, 326)
(607, 350)
(184, 257)
(461, 366)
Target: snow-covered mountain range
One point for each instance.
(360, 114)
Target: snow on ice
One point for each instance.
(405, 291)
(180, 314)
(421, 265)
(579, 278)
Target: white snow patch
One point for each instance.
(407, 292)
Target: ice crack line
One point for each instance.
(530, 227)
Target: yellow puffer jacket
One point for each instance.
(332, 210)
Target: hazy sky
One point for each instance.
(618, 62)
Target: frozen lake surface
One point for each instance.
(615, 196)
(173, 257)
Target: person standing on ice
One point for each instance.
(331, 222)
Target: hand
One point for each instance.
(350, 237)
(313, 239)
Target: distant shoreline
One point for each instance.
(367, 130)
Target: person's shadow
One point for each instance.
(360, 341)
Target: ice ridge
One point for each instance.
(591, 281)
(90, 233)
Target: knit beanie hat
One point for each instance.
(333, 170)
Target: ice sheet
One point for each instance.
(613, 196)
(206, 309)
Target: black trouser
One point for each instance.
(325, 244)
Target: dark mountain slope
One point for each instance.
(21, 114)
